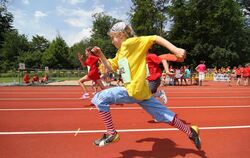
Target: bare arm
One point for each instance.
(80, 56)
(166, 67)
(179, 52)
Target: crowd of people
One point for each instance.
(240, 75)
(183, 75)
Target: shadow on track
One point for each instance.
(162, 148)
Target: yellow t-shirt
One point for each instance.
(135, 50)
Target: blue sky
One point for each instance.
(72, 19)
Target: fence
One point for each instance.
(17, 75)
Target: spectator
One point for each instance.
(245, 74)
(201, 69)
(238, 75)
(26, 78)
(187, 74)
(45, 78)
(35, 79)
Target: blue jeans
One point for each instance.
(119, 95)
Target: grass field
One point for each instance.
(16, 79)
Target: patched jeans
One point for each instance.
(119, 95)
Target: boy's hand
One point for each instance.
(181, 53)
(80, 56)
(97, 51)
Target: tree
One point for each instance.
(78, 48)
(6, 19)
(39, 43)
(57, 54)
(101, 25)
(32, 59)
(210, 30)
(149, 17)
(13, 46)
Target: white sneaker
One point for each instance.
(163, 96)
(85, 96)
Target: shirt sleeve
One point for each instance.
(157, 59)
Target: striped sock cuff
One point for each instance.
(107, 119)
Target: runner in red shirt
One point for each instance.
(245, 74)
(93, 73)
(155, 73)
(248, 69)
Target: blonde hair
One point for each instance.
(128, 30)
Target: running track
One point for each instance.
(43, 122)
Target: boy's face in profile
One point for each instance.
(116, 38)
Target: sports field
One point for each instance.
(52, 122)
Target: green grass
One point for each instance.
(9, 79)
(54, 75)
(16, 79)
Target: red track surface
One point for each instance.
(41, 122)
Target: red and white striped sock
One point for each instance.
(177, 123)
(107, 119)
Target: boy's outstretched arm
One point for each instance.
(97, 51)
(179, 52)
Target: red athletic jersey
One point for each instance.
(153, 62)
(248, 69)
(238, 71)
(35, 78)
(245, 72)
(92, 62)
(26, 78)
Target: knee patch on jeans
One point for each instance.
(100, 102)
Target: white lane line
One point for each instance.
(121, 130)
(167, 91)
(123, 108)
(191, 97)
(77, 131)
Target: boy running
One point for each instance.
(130, 59)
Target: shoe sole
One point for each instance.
(196, 129)
(115, 141)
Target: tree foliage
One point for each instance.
(39, 43)
(33, 57)
(75, 49)
(210, 30)
(149, 17)
(6, 19)
(101, 25)
(57, 54)
(13, 46)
